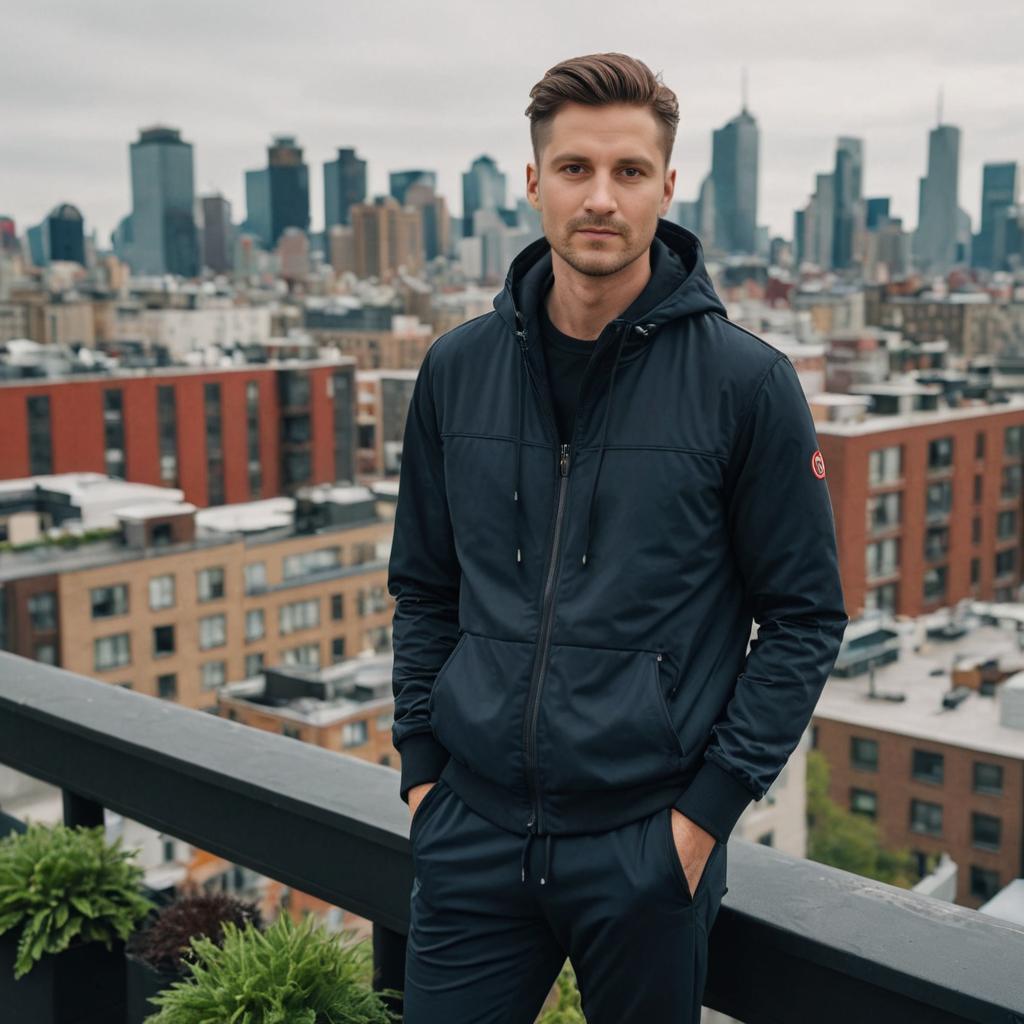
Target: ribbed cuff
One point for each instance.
(423, 759)
(714, 800)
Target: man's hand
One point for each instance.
(416, 794)
(693, 847)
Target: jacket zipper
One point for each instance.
(547, 617)
(536, 822)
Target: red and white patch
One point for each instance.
(818, 464)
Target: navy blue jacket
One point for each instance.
(572, 620)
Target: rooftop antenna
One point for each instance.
(743, 88)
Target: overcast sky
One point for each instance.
(435, 85)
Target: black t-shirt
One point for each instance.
(566, 358)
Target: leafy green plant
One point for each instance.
(567, 1009)
(60, 883)
(289, 974)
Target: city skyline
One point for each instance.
(425, 97)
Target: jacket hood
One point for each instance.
(517, 305)
(694, 293)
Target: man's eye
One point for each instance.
(567, 166)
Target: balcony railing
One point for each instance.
(795, 941)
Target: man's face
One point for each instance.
(601, 167)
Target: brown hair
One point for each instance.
(598, 79)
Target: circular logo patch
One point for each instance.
(818, 464)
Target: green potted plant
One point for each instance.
(68, 902)
(288, 974)
(157, 953)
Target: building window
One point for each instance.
(371, 600)
(976, 530)
(46, 653)
(935, 583)
(255, 624)
(988, 778)
(167, 431)
(986, 831)
(885, 511)
(161, 592)
(936, 542)
(926, 817)
(1006, 524)
(1012, 448)
(213, 674)
(984, 883)
(337, 649)
(979, 445)
(940, 453)
(1006, 562)
(927, 766)
(109, 601)
(883, 597)
(213, 631)
(377, 639)
(214, 443)
(113, 431)
(255, 577)
(252, 430)
(308, 562)
(885, 465)
(337, 607)
(42, 611)
(385, 721)
(40, 441)
(293, 732)
(1011, 479)
(111, 651)
(939, 500)
(163, 641)
(863, 754)
(883, 558)
(303, 656)
(979, 486)
(167, 686)
(975, 571)
(864, 801)
(298, 615)
(253, 664)
(354, 734)
(210, 583)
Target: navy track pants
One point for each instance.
(486, 944)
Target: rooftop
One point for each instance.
(924, 418)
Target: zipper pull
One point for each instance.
(563, 462)
(531, 825)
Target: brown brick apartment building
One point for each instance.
(928, 505)
(175, 611)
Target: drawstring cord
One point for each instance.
(521, 335)
(547, 857)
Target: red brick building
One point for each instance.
(221, 435)
(928, 505)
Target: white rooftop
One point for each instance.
(928, 417)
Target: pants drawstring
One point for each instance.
(547, 857)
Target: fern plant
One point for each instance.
(60, 883)
(567, 1009)
(289, 974)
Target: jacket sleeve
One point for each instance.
(782, 533)
(423, 578)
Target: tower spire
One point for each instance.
(743, 88)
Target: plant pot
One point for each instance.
(83, 985)
(142, 980)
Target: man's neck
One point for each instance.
(580, 305)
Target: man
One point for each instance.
(603, 482)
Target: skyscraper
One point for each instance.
(344, 185)
(483, 188)
(217, 242)
(848, 212)
(289, 187)
(257, 205)
(734, 157)
(400, 181)
(935, 240)
(999, 186)
(163, 225)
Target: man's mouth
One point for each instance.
(597, 231)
